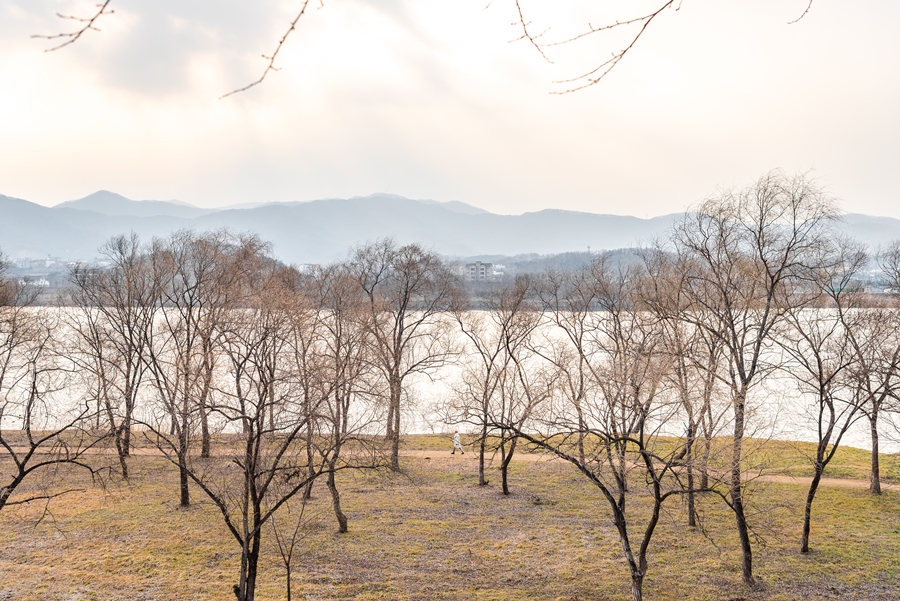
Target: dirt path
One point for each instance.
(532, 457)
(842, 482)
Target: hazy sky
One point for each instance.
(429, 99)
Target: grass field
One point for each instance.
(432, 533)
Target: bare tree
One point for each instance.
(408, 291)
(499, 385)
(889, 261)
(528, 384)
(483, 363)
(570, 300)
(288, 532)
(41, 428)
(255, 401)
(818, 341)
(620, 424)
(116, 308)
(876, 345)
(7, 288)
(351, 390)
(748, 250)
(268, 429)
(199, 277)
(695, 358)
(304, 347)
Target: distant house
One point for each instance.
(38, 282)
(479, 272)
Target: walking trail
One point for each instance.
(534, 457)
(779, 479)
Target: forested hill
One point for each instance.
(323, 230)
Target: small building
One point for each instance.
(38, 282)
(479, 272)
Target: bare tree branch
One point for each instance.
(46, 497)
(73, 36)
(271, 66)
(808, 6)
(586, 80)
(527, 35)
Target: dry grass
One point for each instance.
(432, 533)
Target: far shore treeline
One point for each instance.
(256, 379)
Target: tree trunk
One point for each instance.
(270, 389)
(204, 431)
(246, 590)
(637, 587)
(182, 466)
(389, 433)
(704, 461)
(744, 533)
(204, 397)
(332, 485)
(126, 432)
(691, 500)
(737, 498)
(689, 460)
(506, 459)
(807, 514)
(183, 480)
(482, 481)
(393, 420)
(6, 491)
(395, 440)
(504, 464)
(252, 565)
(875, 476)
(336, 503)
(307, 492)
(121, 450)
(582, 428)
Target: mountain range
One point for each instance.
(324, 230)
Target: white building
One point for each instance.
(479, 272)
(40, 282)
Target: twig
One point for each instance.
(527, 35)
(808, 6)
(604, 68)
(74, 35)
(271, 66)
(46, 497)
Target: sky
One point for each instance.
(434, 99)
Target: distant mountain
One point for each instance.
(323, 230)
(876, 231)
(110, 203)
(31, 230)
(452, 205)
(457, 207)
(320, 231)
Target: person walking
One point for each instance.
(457, 444)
